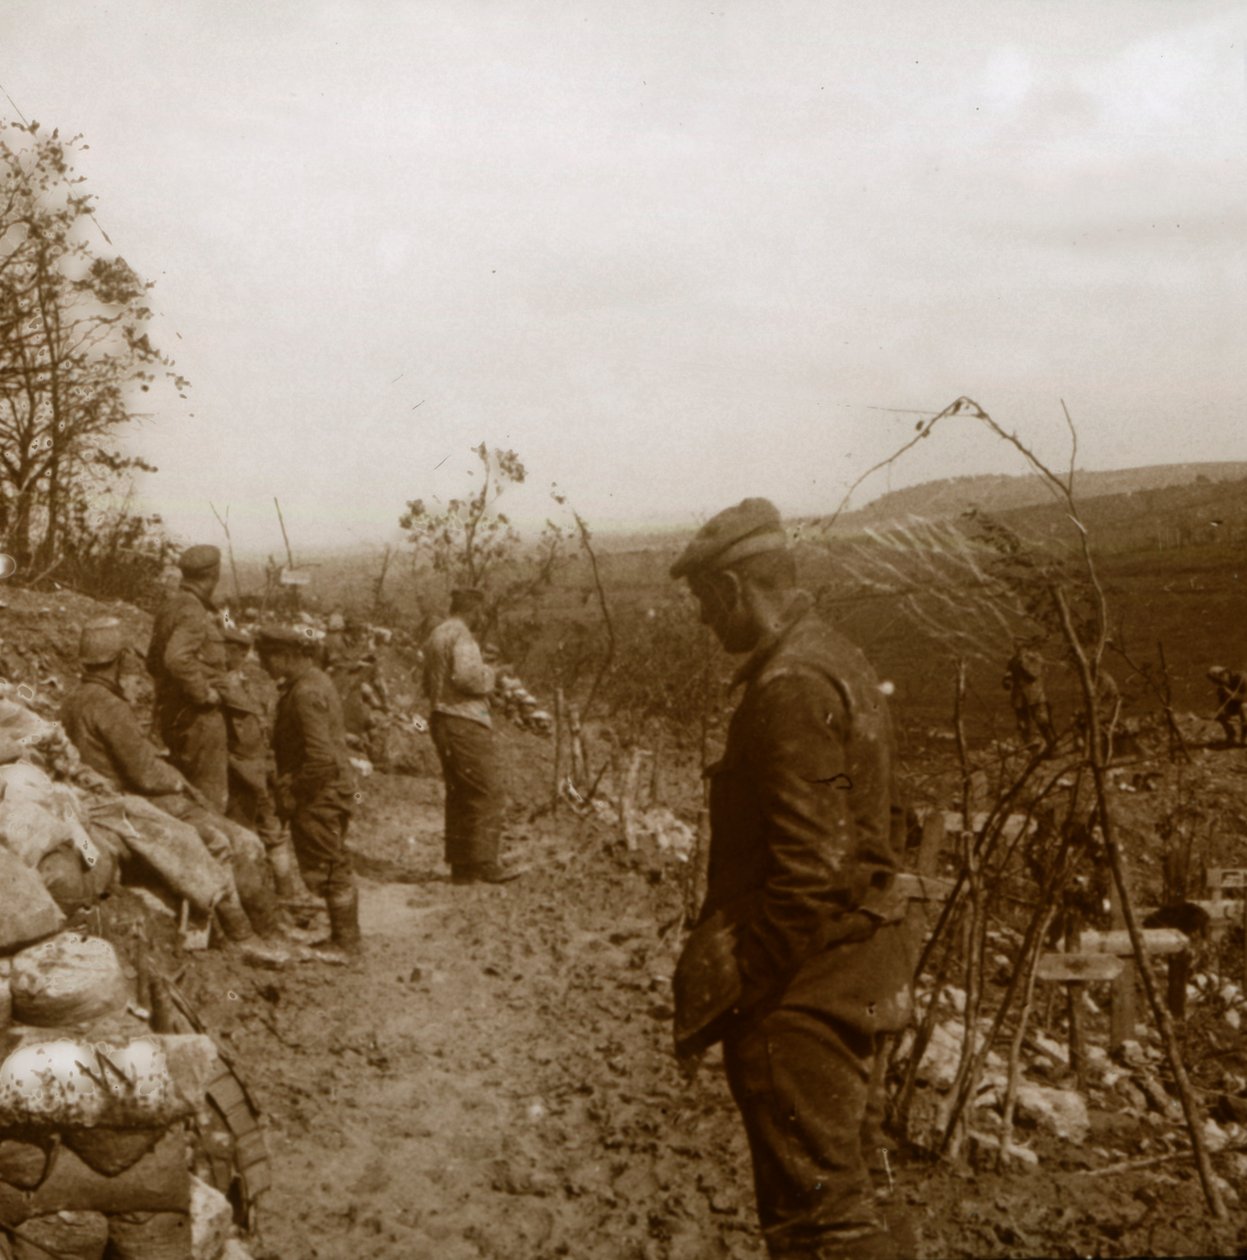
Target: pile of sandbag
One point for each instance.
(94, 1152)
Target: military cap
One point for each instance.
(199, 559)
(301, 638)
(102, 641)
(747, 529)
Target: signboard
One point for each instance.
(295, 577)
(1082, 968)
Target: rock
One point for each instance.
(234, 1250)
(212, 1220)
(1052, 1048)
(1234, 1019)
(1060, 1111)
(1215, 1137)
(984, 1148)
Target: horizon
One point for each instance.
(671, 257)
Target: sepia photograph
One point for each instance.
(621, 630)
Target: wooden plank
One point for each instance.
(1013, 825)
(1218, 911)
(1079, 968)
(922, 887)
(1227, 877)
(1117, 942)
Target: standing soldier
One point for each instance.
(251, 761)
(1024, 681)
(186, 660)
(315, 785)
(458, 684)
(1231, 695)
(799, 960)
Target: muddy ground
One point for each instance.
(496, 1079)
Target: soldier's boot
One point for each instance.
(232, 918)
(344, 944)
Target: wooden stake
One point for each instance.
(1122, 1010)
(558, 748)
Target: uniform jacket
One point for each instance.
(187, 652)
(246, 728)
(1024, 678)
(801, 809)
(456, 680)
(103, 728)
(309, 739)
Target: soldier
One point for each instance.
(1023, 679)
(315, 784)
(799, 961)
(104, 729)
(1231, 688)
(251, 761)
(458, 684)
(186, 660)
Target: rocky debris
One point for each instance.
(1063, 1112)
(520, 706)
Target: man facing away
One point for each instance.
(315, 783)
(799, 961)
(1231, 688)
(186, 660)
(458, 684)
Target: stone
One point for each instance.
(212, 1220)
(1060, 1111)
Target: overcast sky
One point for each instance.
(672, 253)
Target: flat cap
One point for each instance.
(102, 641)
(199, 558)
(747, 529)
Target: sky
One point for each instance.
(672, 254)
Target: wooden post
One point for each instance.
(576, 747)
(932, 843)
(627, 800)
(558, 747)
(1073, 1000)
(1122, 1007)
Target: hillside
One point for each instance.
(999, 493)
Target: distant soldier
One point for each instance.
(1231, 688)
(315, 783)
(458, 684)
(251, 761)
(186, 660)
(1023, 680)
(1107, 709)
(104, 729)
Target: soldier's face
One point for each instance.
(722, 608)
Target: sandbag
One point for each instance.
(23, 1164)
(72, 882)
(147, 1083)
(22, 781)
(159, 1182)
(63, 1235)
(110, 1151)
(69, 979)
(150, 1236)
(27, 911)
(30, 830)
(18, 724)
(212, 1220)
(171, 848)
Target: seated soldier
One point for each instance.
(103, 727)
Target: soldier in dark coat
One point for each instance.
(1024, 681)
(186, 660)
(799, 961)
(1231, 688)
(315, 782)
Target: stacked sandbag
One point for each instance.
(41, 824)
(93, 1108)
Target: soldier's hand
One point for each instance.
(213, 698)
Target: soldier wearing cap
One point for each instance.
(458, 684)
(315, 783)
(251, 760)
(799, 961)
(186, 659)
(1231, 687)
(102, 726)
(1024, 681)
